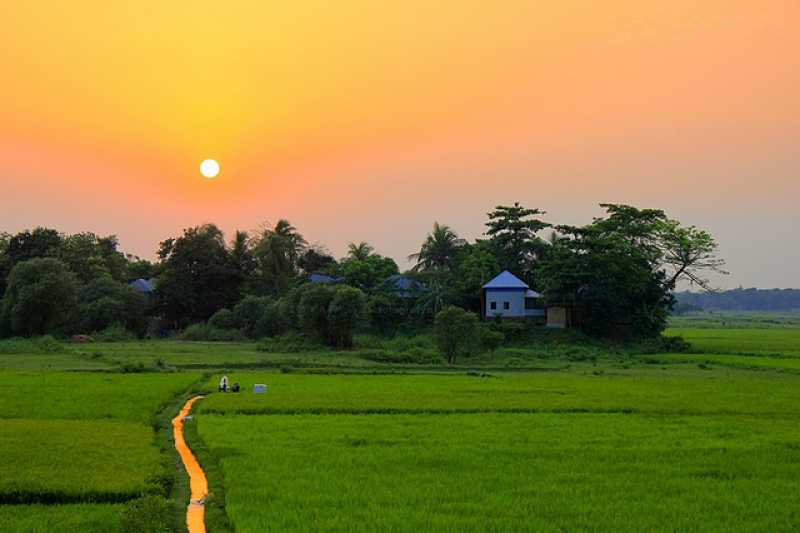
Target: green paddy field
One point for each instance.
(707, 440)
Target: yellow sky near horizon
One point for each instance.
(369, 120)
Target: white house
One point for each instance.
(508, 296)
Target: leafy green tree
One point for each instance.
(141, 269)
(273, 322)
(345, 312)
(439, 251)
(313, 310)
(513, 236)
(104, 302)
(39, 296)
(618, 272)
(385, 312)
(41, 242)
(248, 312)
(477, 266)
(455, 331)
(315, 260)
(367, 274)
(81, 253)
(197, 277)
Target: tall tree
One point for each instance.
(277, 251)
(360, 251)
(439, 250)
(619, 271)
(513, 235)
(315, 260)
(197, 277)
(41, 293)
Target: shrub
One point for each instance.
(344, 313)
(223, 319)
(455, 331)
(272, 322)
(288, 343)
(204, 332)
(248, 313)
(313, 310)
(114, 333)
(147, 514)
(490, 339)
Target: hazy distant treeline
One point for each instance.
(743, 300)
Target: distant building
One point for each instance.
(507, 296)
(403, 286)
(145, 286)
(322, 278)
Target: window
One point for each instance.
(493, 305)
(506, 305)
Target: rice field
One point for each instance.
(68, 518)
(507, 472)
(82, 395)
(759, 341)
(698, 441)
(677, 389)
(76, 460)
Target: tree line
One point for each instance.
(617, 274)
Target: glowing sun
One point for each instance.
(209, 168)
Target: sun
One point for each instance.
(209, 168)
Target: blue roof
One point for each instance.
(403, 283)
(143, 285)
(321, 278)
(506, 280)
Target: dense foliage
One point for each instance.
(616, 275)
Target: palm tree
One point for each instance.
(438, 250)
(360, 251)
(277, 251)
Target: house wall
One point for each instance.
(557, 317)
(514, 297)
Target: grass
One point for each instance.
(644, 389)
(72, 518)
(80, 395)
(742, 361)
(764, 341)
(63, 461)
(505, 472)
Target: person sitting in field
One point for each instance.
(235, 387)
(223, 384)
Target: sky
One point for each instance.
(368, 121)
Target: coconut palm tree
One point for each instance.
(360, 251)
(439, 249)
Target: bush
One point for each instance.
(490, 339)
(204, 332)
(115, 333)
(313, 310)
(289, 343)
(272, 322)
(45, 344)
(413, 356)
(344, 313)
(249, 312)
(223, 319)
(455, 330)
(147, 514)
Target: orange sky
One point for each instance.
(359, 121)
